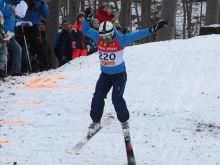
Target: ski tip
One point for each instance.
(74, 152)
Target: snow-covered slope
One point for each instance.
(173, 95)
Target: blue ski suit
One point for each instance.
(113, 71)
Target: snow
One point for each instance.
(214, 25)
(172, 93)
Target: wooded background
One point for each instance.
(185, 17)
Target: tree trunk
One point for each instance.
(200, 20)
(188, 5)
(128, 14)
(123, 14)
(75, 10)
(137, 14)
(53, 26)
(184, 19)
(212, 12)
(168, 13)
(145, 17)
(116, 5)
(82, 5)
(72, 13)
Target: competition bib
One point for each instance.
(110, 54)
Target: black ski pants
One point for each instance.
(103, 86)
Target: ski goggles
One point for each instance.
(107, 37)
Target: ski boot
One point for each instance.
(125, 128)
(93, 128)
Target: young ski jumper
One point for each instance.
(113, 71)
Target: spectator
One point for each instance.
(14, 48)
(94, 23)
(79, 39)
(91, 45)
(104, 13)
(63, 44)
(3, 59)
(36, 9)
(115, 20)
(45, 43)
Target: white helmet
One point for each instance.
(106, 28)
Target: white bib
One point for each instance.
(110, 54)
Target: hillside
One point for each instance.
(172, 93)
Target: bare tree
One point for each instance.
(187, 17)
(123, 14)
(200, 20)
(212, 12)
(73, 10)
(116, 5)
(137, 14)
(145, 17)
(64, 9)
(128, 14)
(168, 13)
(53, 26)
(82, 5)
(184, 19)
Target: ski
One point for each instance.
(79, 145)
(129, 149)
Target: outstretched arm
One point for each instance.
(86, 29)
(126, 39)
(89, 32)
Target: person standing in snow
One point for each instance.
(113, 71)
(104, 13)
(79, 39)
(36, 9)
(63, 44)
(45, 42)
(14, 48)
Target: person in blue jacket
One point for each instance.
(113, 71)
(36, 9)
(13, 47)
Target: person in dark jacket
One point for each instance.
(104, 13)
(45, 42)
(63, 44)
(79, 39)
(35, 11)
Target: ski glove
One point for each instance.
(158, 25)
(88, 48)
(89, 12)
(74, 45)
